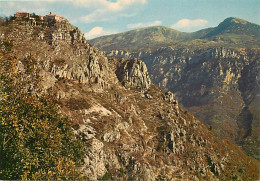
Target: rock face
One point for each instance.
(216, 77)
(139, 133)
(170, 98)
(217, 84)
(133, 74)
(63, 51)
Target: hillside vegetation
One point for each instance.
(36, 141)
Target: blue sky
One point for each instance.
(101, 17)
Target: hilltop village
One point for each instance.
(33, 19)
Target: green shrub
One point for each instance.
(36, 142)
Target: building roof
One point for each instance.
(52, 15)
(21, 13)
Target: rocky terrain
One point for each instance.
(132, 129)
(214, 73)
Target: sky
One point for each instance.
(103, 17)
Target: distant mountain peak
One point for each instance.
(235, 20)
(234, 25)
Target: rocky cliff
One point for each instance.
(215, 76)
(133, 74)
(131, 128)
(61, 50)
(217, 84)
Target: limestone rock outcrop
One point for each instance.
(206, 78)
(63, 51)
(170, 98)
(133, 74)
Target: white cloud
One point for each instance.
(190, 25)
(89, 10)
(109, 5)
(140, 25)
(96, 32)
(9, 8)
(106, 10)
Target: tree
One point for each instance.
(36, 142)
(2, 21)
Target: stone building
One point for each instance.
(51, 17)
(21, 15)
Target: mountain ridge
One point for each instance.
(233, 25)
(162, 36)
